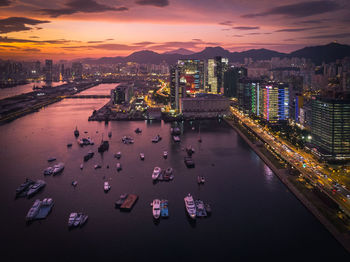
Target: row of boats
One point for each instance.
(77, 219)
(30, 188)
(160, 208)
(162, 175)
(40, 209)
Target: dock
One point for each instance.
(129, 202)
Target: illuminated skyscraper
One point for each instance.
(191, 72)
(216, 69)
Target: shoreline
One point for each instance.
(343, 239)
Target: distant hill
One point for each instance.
(318, 54)
(180, 51)
(324, 53)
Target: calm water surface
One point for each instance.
(23, 89)
(254, 215)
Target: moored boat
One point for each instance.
(127, 140)
(21, 190)
(110, 134)
(34, 188)
(121, 200)
(57, 168)
(138, 130)
(76, 132)
(200, 208)
(104, 146)
(119, 166)
(190, 206)
(48, 171)
(142, 156)
(164, 211)
(71, 219)
(106, 186)
(156, 208)
(89, 155)
(156, 139)
(165, 154)
(118, 155)
(176, 138)
(51, 159)
(156, 172)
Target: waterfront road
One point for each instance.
(301, 161)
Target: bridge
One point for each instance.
(87, 96)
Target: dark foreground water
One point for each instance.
(254, 215)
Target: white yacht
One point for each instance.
(156, 172)
(156, 208)
(190, 206)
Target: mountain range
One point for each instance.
(318, 54)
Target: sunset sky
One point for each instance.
(69, 29)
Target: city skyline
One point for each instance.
(73, 29)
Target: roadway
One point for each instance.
(301, 161)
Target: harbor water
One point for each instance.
(254, 216)
(23, 89)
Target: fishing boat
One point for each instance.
(189, 162)
(190, 206)
(118, 155)
(165, 154)
(48, 171)
(156, 172)
(156, 208)
(164, 211)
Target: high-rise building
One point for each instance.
(191, 72)
(77, 71)
(216, 69)
(330, 128)
(122, 94)
(48, 71)
(175, 92)
(231, 78)
(274, 102)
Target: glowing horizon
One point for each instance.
(72, 29)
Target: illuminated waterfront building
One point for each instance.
(122, 94)
(274, 102)
(330, 128)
